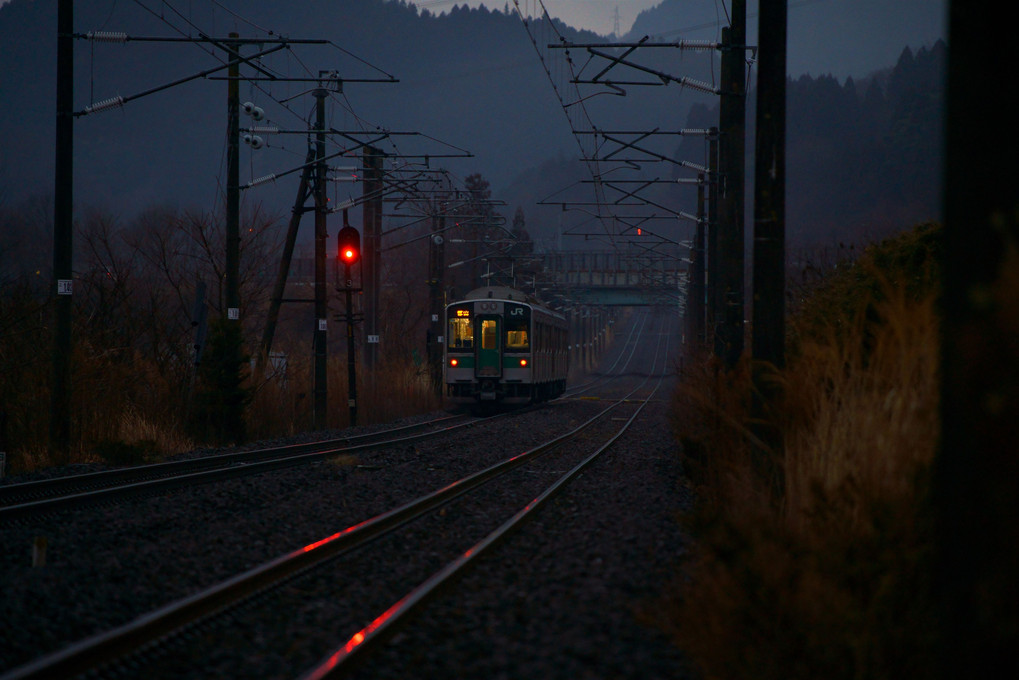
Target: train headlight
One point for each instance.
(523, 363)
(453, 362)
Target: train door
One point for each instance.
(489, 346)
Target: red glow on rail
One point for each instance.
(354, 641)
(318, 544)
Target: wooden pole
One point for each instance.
(63, 232)
(768, 343)
(976, 479)
(732, 128)
(320, 337)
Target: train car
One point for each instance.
(504, 348)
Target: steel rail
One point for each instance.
(127, 482)
(76, 482)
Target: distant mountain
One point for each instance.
(863, 159)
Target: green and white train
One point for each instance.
(504, 348)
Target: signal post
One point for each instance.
(348, 253)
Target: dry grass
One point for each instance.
(829, 577)
(394, 389)
(134, 391)
(134, 414)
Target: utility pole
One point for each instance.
(713, 313)
(436, 288)
(321, 378)
(768, 344)
(732, 128)
(279, 288)
(769, 188)
(63, 232)
(372, 255)
(975, 497)
(695, 303)
(233, 190)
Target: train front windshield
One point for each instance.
(461, 328)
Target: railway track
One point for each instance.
(339, 662)
(168, 625)
(624, 354)
(30, 499)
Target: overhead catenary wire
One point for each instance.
(546, 24)
(183, 25)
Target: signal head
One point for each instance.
(349, 245)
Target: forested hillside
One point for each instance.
(863, 158)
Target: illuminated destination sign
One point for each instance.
(463, 312)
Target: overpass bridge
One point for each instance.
(594, 278)
(613, 278)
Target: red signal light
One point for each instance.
(453, 362)
(350, 245)
(523, 363)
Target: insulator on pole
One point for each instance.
(106, 36)
(350, 203)
(695, 166)
(699, 85)
(105, 104)
(699, 45)
(264, 129)
(261, 180)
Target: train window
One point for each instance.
(489, 334)
(461, 329)
(516, 340)
(517, 322)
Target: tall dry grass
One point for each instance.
(395, 388)
(136, 395)
(125, 413)
(828, 577)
